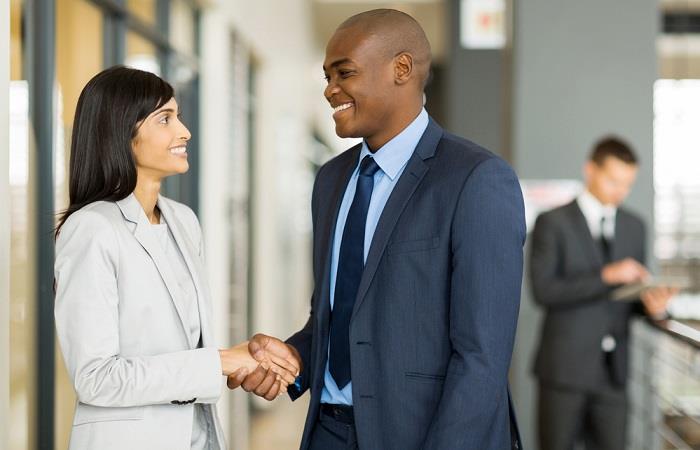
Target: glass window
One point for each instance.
(143, 9)
(16, 43)
(22, 267)
(79, 48)
(182, 24)
(675, 169)
(79, 56)
(141, 54)
(22, 263)
(676, 112)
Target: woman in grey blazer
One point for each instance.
(133, 312)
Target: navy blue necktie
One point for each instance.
(351, 263)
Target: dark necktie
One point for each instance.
(350, 266)
(605, 243)
(609, 343)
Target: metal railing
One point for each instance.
(664, 387)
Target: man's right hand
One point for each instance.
(624, 271)
(264, 382)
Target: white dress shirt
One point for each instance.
(201, 420)
(594, 212)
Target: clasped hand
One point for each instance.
(265, 366)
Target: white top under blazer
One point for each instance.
(124, 328)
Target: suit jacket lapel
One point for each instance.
(622, 243)
(408, 183)
(133, 212)
(586, 238)
(192, 260)
(327, 228)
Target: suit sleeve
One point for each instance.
(550, 288)
(88, 328)
(303, 339)
(638, 306)
(488, 233)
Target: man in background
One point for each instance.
(580, 253)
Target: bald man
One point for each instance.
(417, 259)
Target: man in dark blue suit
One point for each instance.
(417, 259)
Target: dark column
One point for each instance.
(476, 91)
(41, 74)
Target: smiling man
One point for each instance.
(417, 259)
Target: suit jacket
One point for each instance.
(565, 270)
(120, 322)
(432, 329)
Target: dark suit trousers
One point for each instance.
(330, 434)
(568, 416)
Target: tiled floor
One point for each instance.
(280, 427)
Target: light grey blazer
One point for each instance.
(119, 316)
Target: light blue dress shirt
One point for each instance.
(392, 159)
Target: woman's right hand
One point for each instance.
(264, 383)
(239, 357)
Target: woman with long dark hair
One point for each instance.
(133, 312)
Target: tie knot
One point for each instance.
(368, 166)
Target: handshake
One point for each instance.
(264, 365)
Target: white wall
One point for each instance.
(278, 36)
(4, 226)
(214, 196)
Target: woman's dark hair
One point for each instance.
(109, 112)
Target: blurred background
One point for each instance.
(536, 81)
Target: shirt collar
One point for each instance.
(393, 155)
(592, 207)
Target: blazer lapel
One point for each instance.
(133, 212)
(408, 182)
(584, 233)
(191, 256)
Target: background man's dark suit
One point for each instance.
(565, 270)
(434, 320)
